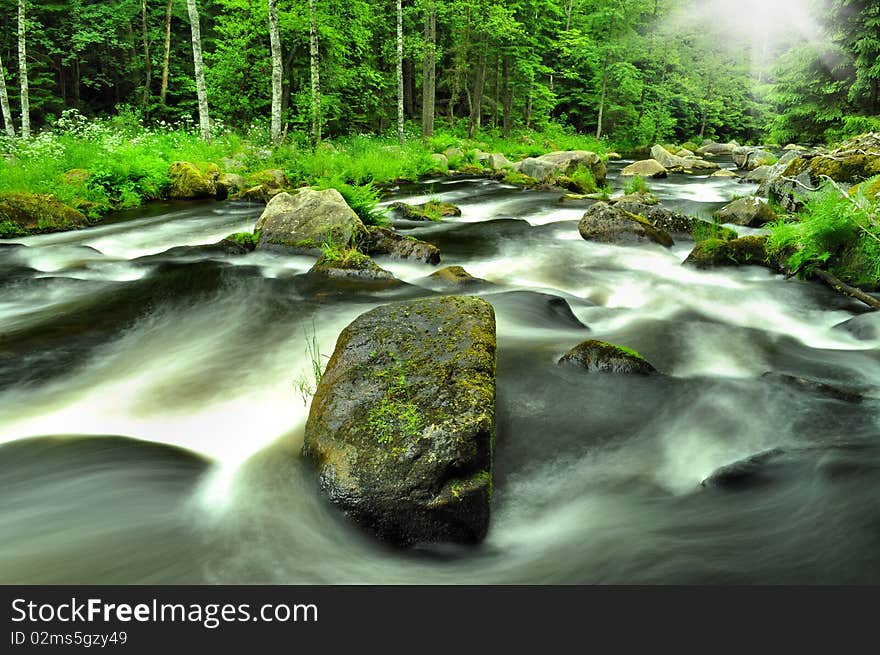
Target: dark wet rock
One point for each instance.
(814, 386)
(661, 218)
(433, 210)
(865, 326)
(745, 473)
(536, 309)
(189, 182)
(645, 168)
(382, 241)
(306, 220)
(749, 212)
(602, 357)
(402, 425)
(614, 224)
(28, 213)
(745, 251)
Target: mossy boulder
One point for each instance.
(433, 210)
(440, 164)
(645, 168)
(402, 425)
(750, 212)
(713, 253)
(724, 173)
(28, 213)
(790, 181)
(377, 241)
(455, 277)
(602, 357)
(547, 168)
(247, 241)
(349, 264)
(229, 184)
(189, 182)
(661, 218)
(306, 220)
(613, 224)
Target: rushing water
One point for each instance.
(190, 358)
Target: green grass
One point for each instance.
(363, 199)
(635, 185)
(246, 239)
(307, 383)
(704, 231)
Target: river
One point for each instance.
(151, 423)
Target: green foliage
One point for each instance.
(704, 231)
(584, 180)
(833, 231)
(343, 256)
(636, 184)
(246, 239)
(364, 200)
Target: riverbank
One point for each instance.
(95, 167)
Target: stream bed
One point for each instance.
(151, 421)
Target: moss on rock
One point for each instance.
(603, 357)
(27, 213)
(716, 252)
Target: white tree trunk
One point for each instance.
(400, 72)
(4, 103)
(201, 89)
(166, 56)
(429, 70)
(148, 65)
(22, 72)
(315, 131)
(277, 70)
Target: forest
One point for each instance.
(636, 72)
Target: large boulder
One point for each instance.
(758, 175)
(306, 220)
(749, 158)
(750, 212)
(712, 148)
(614, 224)
(383, 241)
(402, 425)
(603, 357)
(645, 168)
(188, 182)
(661, 218)
(28, 213)
(498, 162)
(547, 168)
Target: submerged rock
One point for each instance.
(402, 425)
(865, 326)
(745, 473)
(814, 386)
(645, 168)
(378, 241)
(750, 212)
(613, 224)
(305, 221)
(603, 357)
(28, 213)
(188, 182)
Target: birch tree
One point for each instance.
(4, 103)
(277, 70)
(166, 56)
(201, 89)
(148, 66)
(22, 72)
